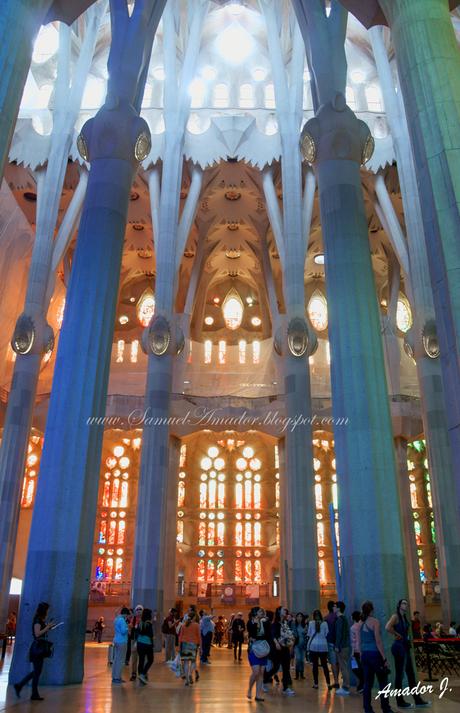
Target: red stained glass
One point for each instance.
(248, 571)
(200, 571)
(115, 493)
(103, 532)
(106, 495)
(118, 568)
(210, 571)
(121, 532)
(220, 572)
(112, 531)
(257, 572)
(109, 568)
(238, 571)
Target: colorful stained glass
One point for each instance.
(106, 495)
(211, 533)
(418, 533)
(203, 495)
(124, 495)
(221, 495)
(100, 568)
(428, 495)
(239, 534)
(257, 534)
(247, 534)
(248, 571)
(202, 533)
(247, 494)
(181, 494)
(317, 311)
(257, 572)
(421, 566)
(180, 531)
(433, 532)
(146, 307)
(220, 533)
(413, 495)
(257, 496)
(121, 532)
(103, 532)
(210, 571)
(109, 568)
(112, 531)
(118, 568)
(28, 497)
(238, 570)
(320, 533)
(115, 493)
(201, 571)
(220, 572)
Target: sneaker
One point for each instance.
(288, 692)
(142, 679)
(420, 703)
(342, 692)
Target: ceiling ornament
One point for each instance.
(430, 339)
(233, 254)
(24, 335)
(232, 193)
(233, 225)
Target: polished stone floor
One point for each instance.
(221, 689)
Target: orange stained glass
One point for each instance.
(109, 568)
(200, 571)
(239, 495)
(115, 493)
(247, 534)
(318, 496)
(248, 571)
(212, 493)
(257, 534)
(238, 570)
(181, 494)
(103, 532)
(220, 533)
(220, 571)
(210, 571)
(203, 495)
(112, 531)
(221, 495)
(277, 495)
(277, 533)
(180, 531)
(322, 571)
(337, 533)
(248, 494)
(118, 568)
(183, 455)
(257, 496)
(202, 533)
(28, 497)
(124, 495)
(239, 534)
(211, 533)
(257, 572)
(100, 567)
(121, 532)
(320, 533)
(106, 495)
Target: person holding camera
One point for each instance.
(40, 649)
(370, 647)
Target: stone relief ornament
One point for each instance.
(368, 149)
(82, 147)
(48, 342)
(159, 335)
(430, 340)
(298, 337)
(180, 341)
(24, 335)
(143, 146)
(308, 147)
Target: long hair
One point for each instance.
(366, 610)
(317, 618)
(192, 618)
(303, 620)
(398, 610)
(146, 615)
(42, 610)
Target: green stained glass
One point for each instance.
(418, 445)
(433, 532)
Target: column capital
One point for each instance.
(295, 336)
(32, 335)
(164, 335)
(335, 133)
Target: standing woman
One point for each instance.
(283, 640)
(257, 629)
(399, 627)
(300, 633)
(373, 661)
(189, 641)
(317, 646)
(144, 644)
(37, 653)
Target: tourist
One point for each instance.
(128, 647)
(300, 644)
(416, 626)
(134, 622)
(219, 631)
(398, 626)
(230, 632)
(258, 648)
(317, 646)
(238, 629)
(342, 647)
(283, 640)
(452, 629)
(98, 629)
(38, 650)
(373, 659)
(428, 632)
(189, 641)
(144, 644)
(356, 656)
(168, 629)
(207, 627)
(273, 660)
(330, 620)
(11, 627)
(120, 644)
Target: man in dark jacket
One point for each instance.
(238, 629)
(342, 647)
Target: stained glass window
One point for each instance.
(413, 495)
(181, 494)
(212, 493)
(112, 531)
(233, 309)
(134, 351)
(221, 495)
(247, 534)
(238, 570)
(421, 566)
(257, 496)
(257, 572)
(257, 534)
(247, 494)
(211, 533)
(220, 533)
(115, 493)
(256, 352)
(207, 351)
(403, 314)
(118, 568)
(121, 532)
(146, 307)
(180, 531)
(428, 495)
(418, 533)
(433, 532)
(124, 495)
(222, 351)
(202, 533)
(239, 534)
(320, 533)
(109, 568)
(277, 457)
(210, 570)
(335, 499)
(103, 532)
(120, 350)
(106, 494)
(277, 494)
(242, 351)
(322, 571)
(220, 571)
(201, 571)
(248, 571)
(317, 311)
(337, 533)
(318, 496)
(239, 495)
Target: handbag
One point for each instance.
(260, 648)
(41, 648)
(188, 648)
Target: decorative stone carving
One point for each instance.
(48, 342)
(180, 341)
(143, 146)
(430, 340)
(298, 337)
(24, 335)
(82, 147)
(159, 335)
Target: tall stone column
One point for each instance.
(429, 367)
(410, 546)
(373, 563)
(60, 547)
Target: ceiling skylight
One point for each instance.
(234, 44)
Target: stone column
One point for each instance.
(429, 68)
(429, 368)
(373, 563)
(169, 573)
(60, 547)
(410, 546)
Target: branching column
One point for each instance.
(60, 548)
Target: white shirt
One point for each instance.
(317, 640)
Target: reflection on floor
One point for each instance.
(222, 688)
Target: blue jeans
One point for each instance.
(299, 652)
(372, 663)
(206, 640)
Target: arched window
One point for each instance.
(220, 571)
(247, 494)
(112, 532)
(238, 570)
(247, 534)
(118, 568)
(207, 351)
(256, 352)
(115, 493)
(220, 97)
(418, 533)
(211, 534)
(351, 99)
(239, 495)
(109, 568)
(221, 495)
(239, 534)
(200, 575)
(269, 96)
(181, 494)
(257, 496)
(210, 570)
(246, 96)
(220, 533)
(257, 572)
(203, 495)
(212, 493)
(248, 571)
(317, 311)
(374, 98)
(222, 351)
(257, 534)
(202, 533)
(103, 532)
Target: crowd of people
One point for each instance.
(348, 648)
